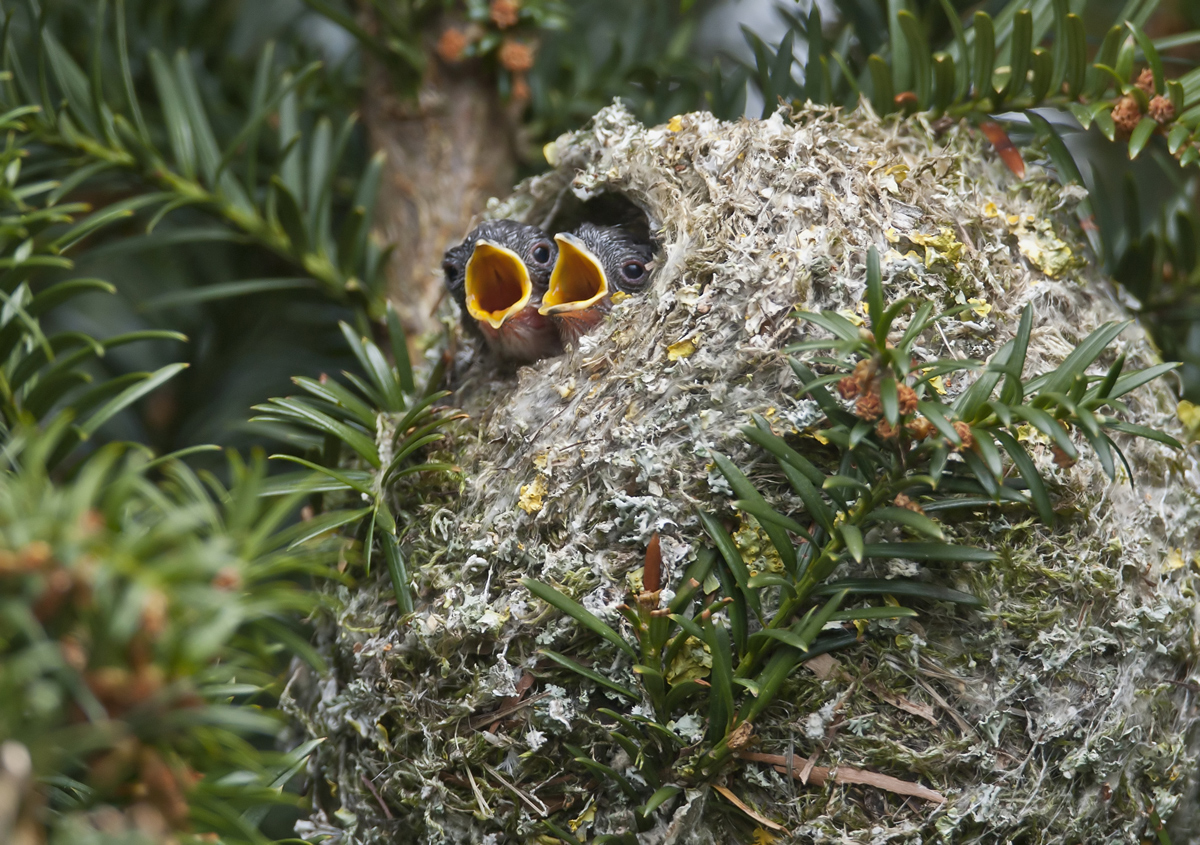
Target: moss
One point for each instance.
(1057, 714)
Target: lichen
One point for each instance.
(1057, 714)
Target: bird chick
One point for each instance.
(593, 263)
(498, 275)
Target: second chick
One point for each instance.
(594, 262)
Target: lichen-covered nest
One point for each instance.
(1059, 713)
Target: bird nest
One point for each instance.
(1058, 713)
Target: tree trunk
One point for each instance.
(1056, 714)
(448, 152)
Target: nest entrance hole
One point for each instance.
(606, 209)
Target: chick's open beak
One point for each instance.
(497, 283)
(578, 280)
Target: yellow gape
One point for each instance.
(497, 283)
(578, 281)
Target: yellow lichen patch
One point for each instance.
(1189, 415)
(540, 460)
(851, 316)
(1029, 434)
(937, 384)
(619, 296)
(635, 581)
(1041, 246)
(532, 495)
(565, 388)
(756, 547)
(1174, 560)
(990, 210)
(942, 247)
(682, 349)
(675, 123)
(692, 662)
(892, 177)
(981, 307)
(585, 818)
(892, 235)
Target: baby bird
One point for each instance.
(498, 275)
(593, 263)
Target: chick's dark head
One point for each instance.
(534, 247)
(594, 262)
(498, 275)
(625, 259)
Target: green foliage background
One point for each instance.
(160, 210)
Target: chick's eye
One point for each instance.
(540, 253)
(633, 271)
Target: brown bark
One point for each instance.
(448, 151)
